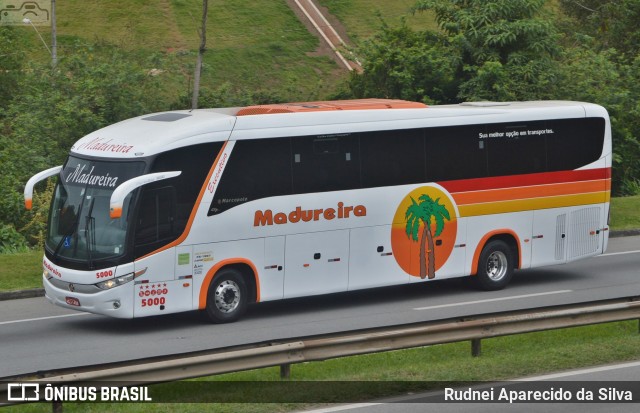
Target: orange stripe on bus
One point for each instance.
(204, 288)
(519, 205)
(508, 194)
(194, 211)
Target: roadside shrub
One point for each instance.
(11, 240)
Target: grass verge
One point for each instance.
(20, 271)
(625, 213)
(502, 358)
(251, 45)
(360, 17)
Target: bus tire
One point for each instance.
(227, 297)
(495, 266)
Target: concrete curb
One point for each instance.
(39, 292)
(14, 295)
(624, 233)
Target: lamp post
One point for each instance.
(54, 35)
(53, 51)
(28, 21)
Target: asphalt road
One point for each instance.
(35, 335)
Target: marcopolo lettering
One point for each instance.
(268, 217)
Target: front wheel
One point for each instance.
(227, 297)
(495, 266)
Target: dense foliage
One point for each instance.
(47, 111)
(44, 110)
(518, 50)
(482, 50)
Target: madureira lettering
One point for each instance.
(79, 177)
(268, 217)
(99, 144)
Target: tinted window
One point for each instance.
(272, 167)
(165, 206)
(392, 157)
(325, 163)
(157, 216)
(256, 169)
(574, 142)
(516, 148)
(456, 153)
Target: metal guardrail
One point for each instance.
(316, 348)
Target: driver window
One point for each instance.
(156, 216)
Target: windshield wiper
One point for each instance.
(89, 233)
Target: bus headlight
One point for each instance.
(115, 282)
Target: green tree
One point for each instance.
(91, 88)
(421, 214)
(613, 22)
(508, 47)
(11, 58)
(484, 50)
(600, 64)
(401, 63)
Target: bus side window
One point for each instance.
(517, 148)
(256, 169)
(456, 152)
(166, 206)
(574, 142)
(156, 216)
(325, 163)
(394, 157)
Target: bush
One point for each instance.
(11, 240)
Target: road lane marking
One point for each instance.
(490, 300)
(42, 318)
(619, 253)
(341, 408)
(590, 370)
(434, 393)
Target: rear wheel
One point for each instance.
(227, 296)
(495, 266)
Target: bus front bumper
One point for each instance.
(116, 302)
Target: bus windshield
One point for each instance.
(80, 228)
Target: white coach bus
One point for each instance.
(214, 209)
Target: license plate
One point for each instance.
(72, 301)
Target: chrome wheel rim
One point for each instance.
(496, 266)
(227, 296)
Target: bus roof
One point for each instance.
(330, 105)
(150, 134)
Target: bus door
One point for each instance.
(316, 263)
(549, 237)
(164, 284)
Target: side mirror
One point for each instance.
(28, 188)
(124, 189)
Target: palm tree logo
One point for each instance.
(423, 214)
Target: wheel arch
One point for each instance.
(508, 236)
(243, 266)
